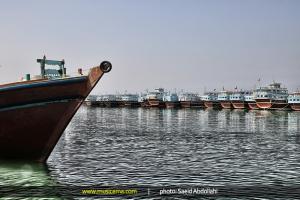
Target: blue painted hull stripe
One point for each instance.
(39, 102)
(34, 105)
(45, 83)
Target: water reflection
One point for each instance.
(24, 174)
(19, 180)
(293, 121)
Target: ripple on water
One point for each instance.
(171, 147)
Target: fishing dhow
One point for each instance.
(35, 112)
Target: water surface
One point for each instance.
(162, 147)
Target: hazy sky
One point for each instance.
(184, 44)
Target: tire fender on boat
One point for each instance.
(105, 66)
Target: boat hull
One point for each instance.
(131, 104)
(144, 104)
(192, 104)
(239, 104)
(34, 114)
(226, 104)
(253, 106)
(172, 104)
(197, 104)
(212, 104)
(155, 103)
(271, 104)
(295, 106)
(31, 132)
(91, 103)
(110, 104)
(185, 104)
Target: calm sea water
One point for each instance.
(163, 147)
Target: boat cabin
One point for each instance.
(52, 73)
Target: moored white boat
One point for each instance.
(249, 98)
(238, 100)
(223, 98)
(210, 100)
(188, 100)
(294, 101)
(272, 97)
(130, 100)
(171, 100)
(155, 98)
